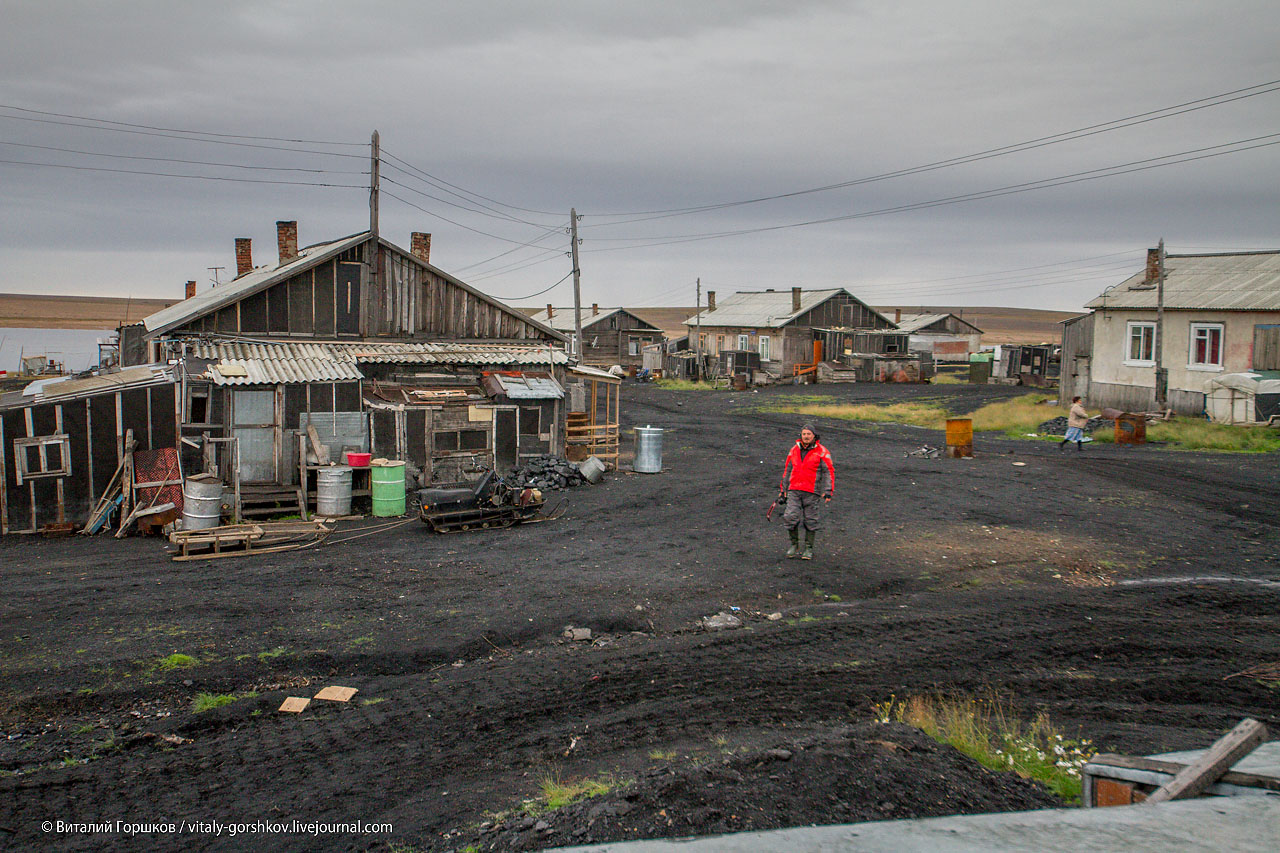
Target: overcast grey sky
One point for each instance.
(617, 108)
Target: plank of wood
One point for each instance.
(1173, 768)
(334, 693)
(295, 704)
(321, 452)
(1216, 760)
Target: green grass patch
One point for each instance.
(927, 415)
(986, 731)
(1197, 434)
(374, 701)
(176, 661)
(208, 701)
(556, 793)
(662, 754)
(1016, 416)
(685, 385)
(949, 379)
(272, 654)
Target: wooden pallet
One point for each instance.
(239, 540)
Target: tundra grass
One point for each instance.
(208, 701)
(986, 731)
(1196, 434)
(928, 415)
(685, 385)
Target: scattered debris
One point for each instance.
(721, 621)
(577, 634)
(925, 451)
(775, 617)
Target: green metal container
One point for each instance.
(388, 489)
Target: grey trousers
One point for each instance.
(802, 508)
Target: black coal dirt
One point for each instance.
(951, 575)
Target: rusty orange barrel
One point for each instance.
(1131, 429)
(959, 437)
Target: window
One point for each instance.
(1206, 346)
(198, 404)
(764, 347)
(448, 441)
(530, 420)
(46, 456)
(742, 341)
(633, 346)
(719, 343)
(1142, 344)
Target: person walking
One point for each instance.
(1077, 420)
(808, 482)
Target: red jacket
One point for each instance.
(805, 471)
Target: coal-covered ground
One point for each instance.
(1117, 589)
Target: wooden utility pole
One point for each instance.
(577, 283)
(375, 159)
(1162, 375)
(698, 329)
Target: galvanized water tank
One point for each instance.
(201, 503)
(333, 491)
(648, 450)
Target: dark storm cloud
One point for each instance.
(623, 107)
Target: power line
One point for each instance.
(180, 130)
(1040, 142)
(178, 160)
(459, 224)
(539, 293)
(431, 177)
(1012, 189)
(495, 214)
(189, 177)
(185, 138)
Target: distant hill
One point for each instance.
(38, 311)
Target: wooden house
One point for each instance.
(782, 326)
(366, 343)
(945, 336)
(609, 335)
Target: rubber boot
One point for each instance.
(794, 550)
(1079, 446)
(1063, 445)
(808, 546)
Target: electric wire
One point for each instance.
(1040, 142)
(539, 293)
(187, 177)
(980, 195)
(432, 177)
(492, 211)
(179, 160)
(453, 222)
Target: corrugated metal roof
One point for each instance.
(281, 371)
(915, 322)
(562, 318)
(130, 377)
(763, 309)
(1242, 281)
(529, 387)
(202, 303)
(258, 362)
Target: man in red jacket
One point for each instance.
(808, 478)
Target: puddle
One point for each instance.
(1199, 580)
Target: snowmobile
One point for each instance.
(491, 502)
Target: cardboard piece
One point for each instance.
(333, 693)
(294, 704)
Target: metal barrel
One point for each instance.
(388, 489)
(592, 469)
(648, 450)
(333, 491)
(201, 504)
(959, 437)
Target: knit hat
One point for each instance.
(811, 428)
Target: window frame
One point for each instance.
(1193, 329)
(762, 346)
(1130, 327)
(21, 446)
(744, 341)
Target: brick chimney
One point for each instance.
(191, 289)
(244, 256)
(795, 299)
(711, 300)
(1153, 266)
(551, 312)
(420, 246)
(595, 309)
(287, 241)
(897, 316)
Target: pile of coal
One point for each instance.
(547, 473)
(1058, 426)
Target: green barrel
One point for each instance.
(388, 489)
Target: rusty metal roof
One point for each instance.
(130, 377)
(1238, 281)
